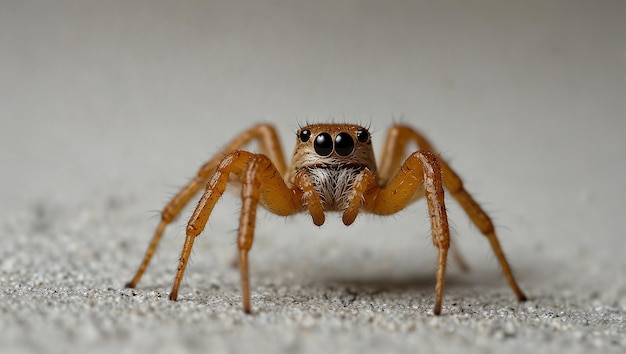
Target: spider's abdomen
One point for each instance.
(334, 185)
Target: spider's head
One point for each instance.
(333, 145)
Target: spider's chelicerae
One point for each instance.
(332, 169)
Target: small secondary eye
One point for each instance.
(305, 135)
(362, 135)
(323, 144)
(344, 145)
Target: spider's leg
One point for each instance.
(421, 168)
(233, 163)
(395, 147)
(261, 182)
(479, 217)
(169, 213)
(268, 144)
(394, 153)
(399, 136)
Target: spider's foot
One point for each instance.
(130, 285)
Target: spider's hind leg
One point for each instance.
(482, 221)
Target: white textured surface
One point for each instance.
(107, 107)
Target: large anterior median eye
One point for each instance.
(344, 145)
(323, 144)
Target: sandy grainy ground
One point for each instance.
(63, 271)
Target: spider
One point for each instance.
(333, 168)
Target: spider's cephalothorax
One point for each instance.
(333, 169)
(332, 155)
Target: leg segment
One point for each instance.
(394, 150)
(260, 183)
(397, 141)
(478, 216)
(421, 168)
(268, 144)
(250, 196)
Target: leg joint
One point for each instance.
(192, 230)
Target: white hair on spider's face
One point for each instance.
(334, 185)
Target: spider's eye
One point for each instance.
(305, 135)
(362, 135)
(344, 145)
(323, 144)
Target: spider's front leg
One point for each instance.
(398, 138)
(421, 169)
(268, 145)
(261, 182)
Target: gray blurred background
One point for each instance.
(119, 102)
